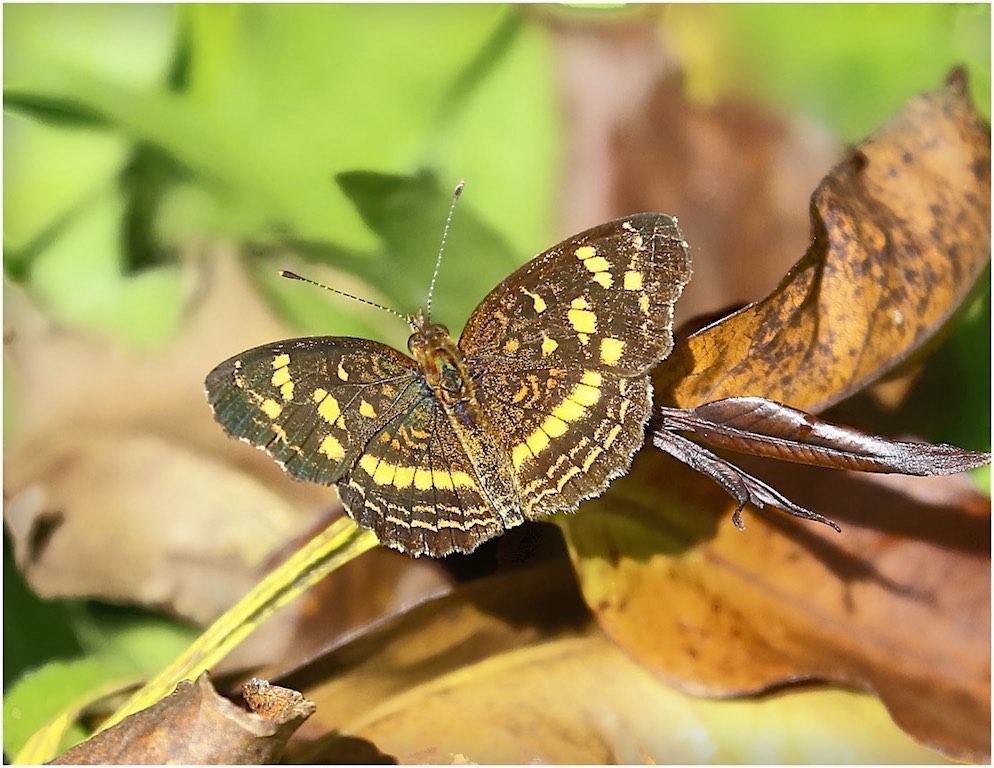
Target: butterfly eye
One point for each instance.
(437, 331)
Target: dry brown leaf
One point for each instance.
(195, 725)
(901, 236)
(887, 605)
(483, 676)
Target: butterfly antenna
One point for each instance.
(441, 248)
(294, 276)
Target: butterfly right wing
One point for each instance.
(356, 413)
(312, 403)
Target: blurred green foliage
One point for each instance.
(175, 124)
(848, 66)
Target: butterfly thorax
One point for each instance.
(444, 367)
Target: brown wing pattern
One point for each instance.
(415, 487)
(574, 431)
(312, 403)
(562, 350)
(602, 299)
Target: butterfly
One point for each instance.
(539, 405)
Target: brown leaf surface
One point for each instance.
(197, 726)
(483, 676)
(899, 603)
(107, 440)
(901, 234)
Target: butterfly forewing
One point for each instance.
(602, 299)
(312, 403)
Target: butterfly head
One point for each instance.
(441, 362)
(427, 337)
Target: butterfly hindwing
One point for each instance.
(571, 431)
(416, 488)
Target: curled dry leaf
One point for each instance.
(765, 428)
(197, 726)
(762, 427)
(483, 677)
(900, 236)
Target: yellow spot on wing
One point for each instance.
(591, 378)
(281, 361)
(286, 390)
(511, 346)
(569, 410)
(548, 345)
(319, 395)
(553, 426)
(644, 303)
(592, 457)
(271, 408)
(584, 252)
(537, 301)
(422, 479)
(587, 393)
(611, 350)
(579, 303)
(519, 455)
(281, 376)
(329, 409)
(604, 279)
(331, 448)
(368, 464)
(367, 410)
(582, 320)
(612, 435)
(633, 281)
(384, 473)
(597, 264)
(404, 477)
(537, 441)
(342, 373)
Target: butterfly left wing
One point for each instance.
(415, 486)
(312, 403)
